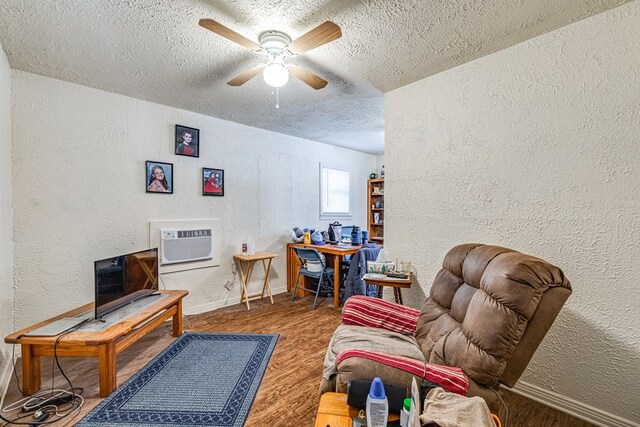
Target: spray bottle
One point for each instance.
(377, 405)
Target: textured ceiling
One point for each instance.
(155, 50)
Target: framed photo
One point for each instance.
(212, 182)
(187, 141)
(159, 178)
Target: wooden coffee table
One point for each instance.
(333, 411)
(105, 345)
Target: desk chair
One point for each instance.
(306, 255)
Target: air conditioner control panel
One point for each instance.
(169, 234)
(184, 234)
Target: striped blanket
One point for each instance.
(383, 332)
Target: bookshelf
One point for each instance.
(375, 209)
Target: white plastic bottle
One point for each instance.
(251, 246)
(377, 405)
(404, 414)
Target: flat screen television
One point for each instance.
(123, 279)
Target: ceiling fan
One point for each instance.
(277, 46)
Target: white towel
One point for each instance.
(453, 410)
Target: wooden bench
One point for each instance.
(105, 345)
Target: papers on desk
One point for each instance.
(344, 246)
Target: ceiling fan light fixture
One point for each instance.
(275, 75)
(277, 46)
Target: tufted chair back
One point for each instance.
(488, 310)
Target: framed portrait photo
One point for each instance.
(187, 141)
(159, 177)
(212, 182)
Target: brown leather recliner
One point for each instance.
(487, 311)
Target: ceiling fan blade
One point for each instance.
(308, 77)
(246, 76)
(323, 33)
(228, 33)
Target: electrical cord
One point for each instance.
(506, 410)
(164, 287)
(15, 373)
(50, 409)
(44, 408)
(40, 400)
(16, 419)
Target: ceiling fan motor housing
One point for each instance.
(273, 44)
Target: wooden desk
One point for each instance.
(245, 267)
(333, 411)
(397, 284)
(338, 253)
(105, 345)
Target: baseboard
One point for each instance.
(5, 379)
(203, 308)
(571, 407)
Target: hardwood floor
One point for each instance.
(288, 395)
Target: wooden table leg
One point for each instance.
(107, 366)
(244, 277)
(149, 271)
(379, 291)
(336, 280)
(177, 319)
(240, 268)
(30, 370)
(267, 284)
(397, 293)
(266, 278)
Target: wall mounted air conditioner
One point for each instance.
(155, 241)
(177, 246)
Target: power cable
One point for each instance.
(43, 407)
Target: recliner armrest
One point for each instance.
(377, 313)
(360, 364)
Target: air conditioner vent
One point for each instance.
(177, 246)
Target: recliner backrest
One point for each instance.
(488, 310)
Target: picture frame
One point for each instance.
(380, 267)
(187, 141)
(212, 182)
(159, 177)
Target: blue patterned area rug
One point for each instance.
(199, 380)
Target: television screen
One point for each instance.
(122, 279)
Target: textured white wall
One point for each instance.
(6, 220)
(380, 163)
(536, 148)
(79, 166)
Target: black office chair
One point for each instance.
(306, 256)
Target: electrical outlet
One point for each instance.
(227, 285)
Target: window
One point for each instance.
(335, 195)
